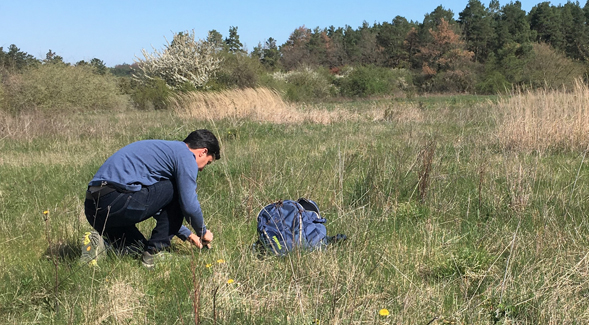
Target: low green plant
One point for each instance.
(460, 262)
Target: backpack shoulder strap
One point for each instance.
(309, 205)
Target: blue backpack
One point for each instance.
(286, 225)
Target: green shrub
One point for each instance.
(152, 94)
(237, 70)
(305, 85)
(366, 81)
(460, 79)
(126, 85)
(268, 80)
(549, 68)
(494, 83)
(58, 87)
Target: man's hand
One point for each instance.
(207, 237)
(196, 241)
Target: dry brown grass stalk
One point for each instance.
(119, 302)
(259, 105)
(545, 119)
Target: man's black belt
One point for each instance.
(95, 192)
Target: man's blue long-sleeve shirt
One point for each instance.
(146, 162)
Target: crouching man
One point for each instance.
(148, 179)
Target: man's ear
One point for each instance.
(202, 151)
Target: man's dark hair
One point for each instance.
(204, 139)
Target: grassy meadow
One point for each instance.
(458, 210)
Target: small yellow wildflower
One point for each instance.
(46, 212)
(220, 261)
(209, 265)
(93, 263)
(229, 281)
(87, 239)
(384, 312)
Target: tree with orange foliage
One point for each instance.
(295, 50)
(446, 54)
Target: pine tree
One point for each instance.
(545, 21)
(477, 26)
(232, 41)
(575, 31)
(390, 38)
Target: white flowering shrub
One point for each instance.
(184, 60)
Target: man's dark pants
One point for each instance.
(115, 214)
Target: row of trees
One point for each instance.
(15, 60)
(488, 49)
(499, 39)
(486, 31)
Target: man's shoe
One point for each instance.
(93, 248)
(147, 260)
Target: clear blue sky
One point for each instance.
(116, 31)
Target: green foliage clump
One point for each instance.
(304, 85)
(459, 80)
(152, 94)
(463, 262)
(494, 82)
(60, 87)
(550, 68)
(364, 81)
(15, 60)
(238, 70)
(531, 65)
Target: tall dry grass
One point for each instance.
(538, 120)
(258, 104)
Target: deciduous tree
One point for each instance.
(295, 51)
(446, 53)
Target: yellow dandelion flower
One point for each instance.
(209, 265)
(220, 261)
(87, 239)
(383, 312)
(230, 281)
(46, 212)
